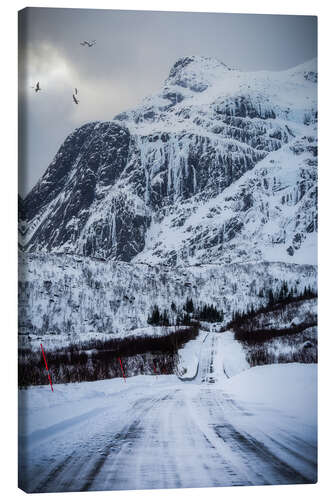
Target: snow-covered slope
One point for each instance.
(219, 166)
(290, 388)
(70, 295)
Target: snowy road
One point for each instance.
(160, 433)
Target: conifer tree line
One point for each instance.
(186, 315)
(287, 294)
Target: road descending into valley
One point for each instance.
(160, 432)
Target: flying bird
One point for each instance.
(87, 43)
(75, 100)
(36, 87)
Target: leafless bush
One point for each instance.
(294, 348)
(99, 359)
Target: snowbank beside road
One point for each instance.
(189, 357)
(231, 357)
(288, 388)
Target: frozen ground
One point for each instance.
(256, 427)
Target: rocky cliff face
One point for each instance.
(220, 166)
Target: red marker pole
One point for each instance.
(47, 368)
(121, 366)
(155, 369)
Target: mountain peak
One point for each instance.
(196, 72)
(192, 175)
(182, 62)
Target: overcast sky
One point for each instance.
(131, 59)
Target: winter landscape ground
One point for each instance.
(256, 426)
(180, 238)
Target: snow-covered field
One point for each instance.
(257, 427)
(291, 389)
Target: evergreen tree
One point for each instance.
(165, 319)
(211, 314)
(186, 320)
(155, 317)
(270, 297)
(189, 307)
(261, 293)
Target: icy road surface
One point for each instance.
(257, 427)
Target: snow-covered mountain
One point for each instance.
(219, 166)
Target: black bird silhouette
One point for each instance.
(36, 87)
(75, 100)
(87, 43)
